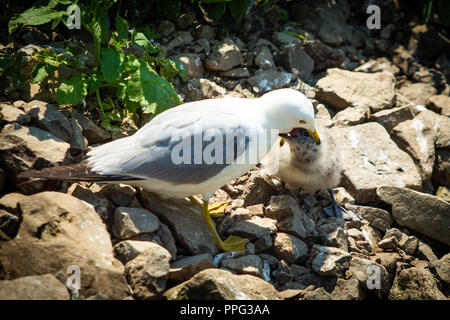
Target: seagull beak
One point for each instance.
(314, 135)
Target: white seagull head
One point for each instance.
(290, 109)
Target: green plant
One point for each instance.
(237, 8)
(139, 81)
(441, 7)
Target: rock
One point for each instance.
(370, 274)
(2, 180)
(253, 229)
(10, 114)
(249, 264)
(442, 192)
(48, 118)
(355, 234)
(180, 38)
(185, 220)
(439, 104)
(225, 56)
(425, 252)
(127, 250)
(343, 197)
(191, 64)
(185, 268)
(130, 222)
(377, 65)
(77, 140)
(43, 287)
(390, 118)
(263, 244)
(148, 272)
(418, 93)
(9, 224)
(104, 208)
(236, 73)
(289, 248)
(347, 290)
(256, 210)
(329, 261)
(409, 245)
(166, 28)
(415, 284)
(23, 148)
(217, 284)
(294, 59)
(205, 31)
(257, 189)
(167, 240)
(289, 217)
(388, 244)
(421, 212)
(332, 234)
(443, 268)
(441, 170)
(371, 238)
(371, 159)
(378, 218)
(341, 89)
(324, 56)
(318, 294)
(120, 194)
(267, 80)
(417, 137)
(58, 231)
(93, 133)
(387, 260)
(351, 116)
(264, 58)
(198, 89)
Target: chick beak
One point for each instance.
(314, 135)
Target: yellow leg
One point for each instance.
(232, 243)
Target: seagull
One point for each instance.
(194, 149)
(304, 164)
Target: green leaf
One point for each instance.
(238, 9)
(41, 71)
(168, 9)
(122, 28)
(34, 16)
(72, 91)
(141, 40)
(6, 62)
(111, 64)
(95, 82)
(154, 93)
(219, 10)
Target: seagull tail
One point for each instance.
(73, 172)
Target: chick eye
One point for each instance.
(305, 134)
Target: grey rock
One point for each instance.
(185, 268)
(329, 261)
(48, 118)
(347, 290)
(289, 217)
(377, 218)
(342, 89)
(217, 284)
(130, 222)
(371, 159)
(9, 224)
(225, 56)
(93, 133)
(127, 250)
(264, 58)
(390, 118)
(289, 248)
(39, 287)
(418, 93)
(191, 63)
(415, 284)
(369, 272)
(249, 264)
(324, 56)
(267, 80)
(185, 220)
(253, 229)
(318, 294)
(148, 272)
(421, 212)
(197, 89)
(10, 114)
(57, 231)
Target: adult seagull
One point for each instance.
(194, 149)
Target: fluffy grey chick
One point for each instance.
(304, 164)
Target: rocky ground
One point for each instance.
(385, 97)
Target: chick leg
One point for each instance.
(336, 209)
(232, 243)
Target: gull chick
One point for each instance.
(303, 164)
